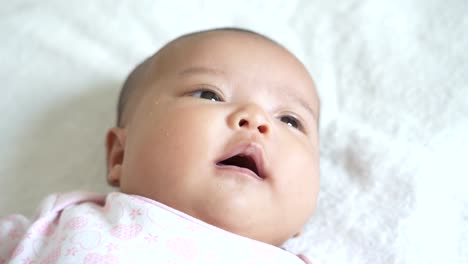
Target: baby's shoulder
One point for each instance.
(28, 238)
(53, 204)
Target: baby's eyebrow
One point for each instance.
(201, 70)
(293, 97)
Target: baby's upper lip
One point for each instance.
(252, 150)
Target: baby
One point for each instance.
(215, 154)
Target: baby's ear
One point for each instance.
(115, 150)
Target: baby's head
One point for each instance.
(221, 125)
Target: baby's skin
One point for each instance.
(223, 126)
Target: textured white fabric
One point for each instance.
(392, 75)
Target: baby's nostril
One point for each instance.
(263, 129)
(242, 122)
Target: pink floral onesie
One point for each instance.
(82, 227)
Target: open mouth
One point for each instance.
(242, 161)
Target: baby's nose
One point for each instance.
(251, 117)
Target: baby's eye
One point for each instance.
(292, 121)
(207, 94)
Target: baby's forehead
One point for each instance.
(225, 51)
(204, 45)
(211, 53)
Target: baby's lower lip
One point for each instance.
(239, 170)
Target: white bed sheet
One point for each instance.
(393, 77)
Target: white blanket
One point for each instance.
(393, 77)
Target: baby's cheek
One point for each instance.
(304, 180)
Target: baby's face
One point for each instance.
(226, 132)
